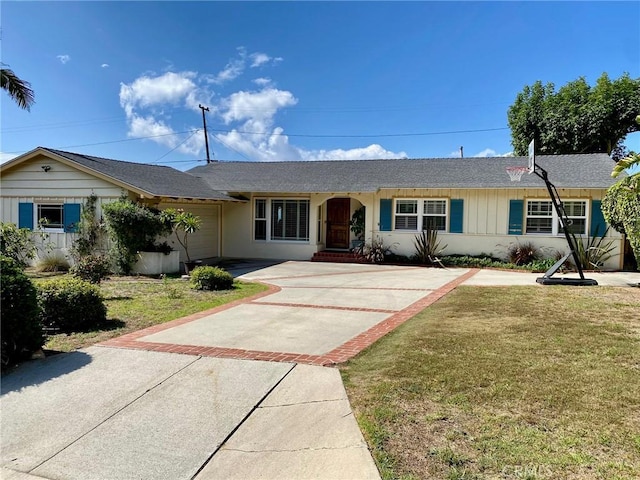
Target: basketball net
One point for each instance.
(515, 173)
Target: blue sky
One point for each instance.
(296, 80)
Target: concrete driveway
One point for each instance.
(235, 392)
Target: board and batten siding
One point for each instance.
(205, 242)
(29, 183)
(485, 220)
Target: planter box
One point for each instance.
(155, 263)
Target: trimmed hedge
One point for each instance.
(21, 328)
(211, 278)
(71, 304)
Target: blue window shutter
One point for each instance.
(71, 214)
(516, 208)
(598, 223)
(25, 215)
(456, 214)
(386, 205)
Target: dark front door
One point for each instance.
(338, 210)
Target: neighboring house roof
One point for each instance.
(565, 171)
(152, 180)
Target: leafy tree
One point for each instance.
(19, 90)
(621, 209)
(621, 205)
(628, 162)
(577, 118)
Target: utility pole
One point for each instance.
(206, 138)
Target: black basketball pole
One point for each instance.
(547, 279)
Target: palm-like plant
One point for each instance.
(19, 90)
(183, 224)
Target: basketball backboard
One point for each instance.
(532, 156)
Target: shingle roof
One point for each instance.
(155, 180)
(565, 171)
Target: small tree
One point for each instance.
(183, 224)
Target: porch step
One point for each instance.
(337, 257)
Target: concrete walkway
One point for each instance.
(235, 392)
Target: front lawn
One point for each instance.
(134, 303)
(506, 383)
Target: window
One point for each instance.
(281, 219)
(406, 215)
(434, 214)
(542, 217)
(50, 216)
(260, 219)
(418, 215)
(539, 217)
(576, 212)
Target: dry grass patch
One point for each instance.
(506, 382)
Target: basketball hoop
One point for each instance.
(515, 173)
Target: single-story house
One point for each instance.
(291, 210)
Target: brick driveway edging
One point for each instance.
(338, 355)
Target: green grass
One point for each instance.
(134, 303)
(506, 382)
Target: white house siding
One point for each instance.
(237, 228)
(485, 222)
(205, 243)
(62, 184)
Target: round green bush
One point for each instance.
(92, 268)
(71, 304)
(19, 317)
(211, 278)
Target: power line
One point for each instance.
(379, 135)
(181, 143)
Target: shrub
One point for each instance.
(19, 318)
(70, 304)
(375, 251)
(134, 228)
(52, 263)
(17, 243)
(211, 278)
(92, 268)
(427, 247)
(90, 237)
(523, 253)
(593, 251)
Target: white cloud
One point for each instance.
(259, 59)
(63, 58)
(5, 157)
(105, 65)
(256, 107)
(151, 100)
(145, 100)
(262, 82)
(373, 151)
(147, 91)
(489, 152)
